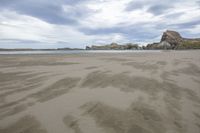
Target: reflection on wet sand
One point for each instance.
(105, 93)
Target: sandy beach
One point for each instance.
(144, 92)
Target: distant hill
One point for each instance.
(114, 46)
(173, 40)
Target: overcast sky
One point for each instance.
(77, 23)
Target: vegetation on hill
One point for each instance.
(189, 45)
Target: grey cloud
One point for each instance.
(11, 40)
(62, 42)
(198, 2)
(174, 15)
(134, 5)
(51, 12)
(133, 32)
(186, 25)
(154, 6)
(159, 9)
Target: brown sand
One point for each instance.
(153, 92)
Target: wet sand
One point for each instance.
(153, 92)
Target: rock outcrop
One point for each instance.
(161, 45)
(170, 40)
(173, 40)
(172, 37)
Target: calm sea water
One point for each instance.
(75, 51)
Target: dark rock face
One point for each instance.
(172, 37)
(161, 45)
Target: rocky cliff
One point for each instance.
(173, 40)
(172, 37)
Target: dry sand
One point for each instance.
(153, 92)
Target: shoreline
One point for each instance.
(46, 52)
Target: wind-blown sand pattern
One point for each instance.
(152, 92)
